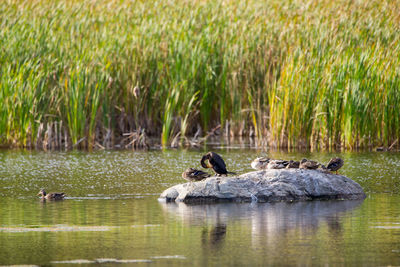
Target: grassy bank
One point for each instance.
(295, 73)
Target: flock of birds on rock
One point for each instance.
(266, 163)
(215, 161)
(212, 160)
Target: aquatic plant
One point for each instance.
(295, 73)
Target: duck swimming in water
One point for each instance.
(51, 196)
(335, 164)
(308, 164)
(214, 161)
(193, 175)
(260, 163)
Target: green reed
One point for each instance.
(300, 73)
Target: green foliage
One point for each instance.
(303, 73)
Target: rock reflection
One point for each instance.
(269, 222)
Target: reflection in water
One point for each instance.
(111, 214)
(270, 222)
(57, 228)
(273, 216)
(214, 238)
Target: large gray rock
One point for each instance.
(267, 186)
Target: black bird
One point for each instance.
(335, 164)
(214, 161)
(193, 175)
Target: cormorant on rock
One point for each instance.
(214, 161)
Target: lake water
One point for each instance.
(112, 216)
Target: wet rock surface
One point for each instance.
(269, 185)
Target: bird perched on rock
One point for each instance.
(193, 175)
(323, 169)
(260, 163)
(335, 164)
(51, 196)
(277, 164)
(293, 164)
(308, 164)
(267, 163)
(214, 161)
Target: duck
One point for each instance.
(193, 175)
(323, 168)
(215, 161)
(308, 164)
(260, 163)
(335, 164)
(277, 164)
(293, 164)
(51, 196)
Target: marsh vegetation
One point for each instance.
(290, 73)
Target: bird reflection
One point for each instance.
(215, 237)
(334, 225)
(269, 223)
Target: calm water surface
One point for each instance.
(112, 215)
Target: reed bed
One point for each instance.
(100, 74)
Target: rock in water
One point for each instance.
(267, 186)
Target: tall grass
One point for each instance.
(299, 73)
